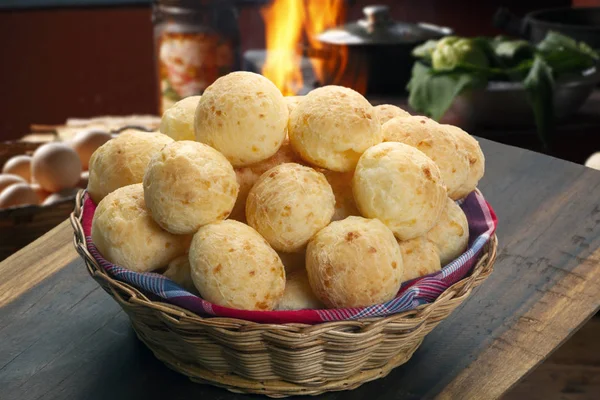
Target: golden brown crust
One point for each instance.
(353, 263)
(122, 161)
(432, 139)
(289, 204)
(233, 266)
(188, 185)
(126, 235)
(332, 126)
(244, 116)
(400, 186)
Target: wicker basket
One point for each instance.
(279, 360)
(20, 226)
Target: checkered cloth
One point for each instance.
(482, 224)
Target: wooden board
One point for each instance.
(571, 373)
(63, 337)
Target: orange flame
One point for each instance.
(284, 21)
(287, 22)
(324, 15)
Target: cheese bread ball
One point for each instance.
(451, 233)
(475, 157)
(420, 258)
(179, 272)
(189, 184)
(126, 235)
(177, 122)
(292, 102)
(341, 184)
(244, 116)
(298, 294)
(289, 204)
(20, 166)
(332, 126)
(233, 266)
(355, 262)
(401, 186)
(432, 139)
(247, 176)
(385, 112)
(122, 161)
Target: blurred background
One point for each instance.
(83, 58)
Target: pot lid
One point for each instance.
(378, 27)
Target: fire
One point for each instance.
(323, 15)
(285, 20)
(288, 23)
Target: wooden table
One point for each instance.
(62, 337)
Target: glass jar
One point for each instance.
(196, 42)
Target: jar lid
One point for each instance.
(194, 4)
(378, 27)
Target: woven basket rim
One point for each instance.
(31, 207)
(480, 272)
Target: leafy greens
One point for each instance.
(448, 67)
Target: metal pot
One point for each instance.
(582, 24)
(379, 48)
(505, 104)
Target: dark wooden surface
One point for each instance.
(570, 373)
(62, 337)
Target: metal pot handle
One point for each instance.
(509, 22)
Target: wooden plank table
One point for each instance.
(62, 337)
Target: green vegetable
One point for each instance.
(511, 52)
(452, 52)
(452, 65)
(539, 84)
(565, 54)
(433, 93)
(425, 50)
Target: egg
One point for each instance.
(41, 193)
(60, 196)
(19, 165)
(56, 166)
(9, 179)
(86, 142)
(19, 194)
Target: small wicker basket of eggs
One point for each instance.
(38, 185)
(278, 245)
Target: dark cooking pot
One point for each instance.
(582, 24)
(379, 49)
